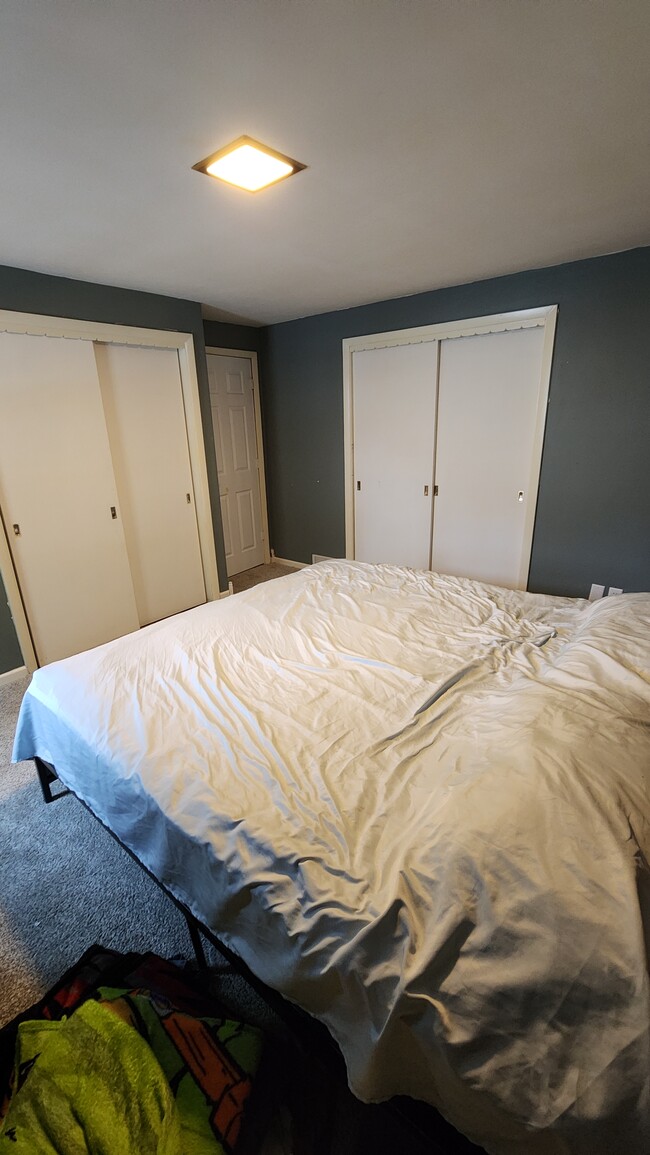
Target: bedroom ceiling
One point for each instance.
(446, 141)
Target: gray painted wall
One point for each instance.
(224, 335)
(10, 655)
(28, 292)
(593, 513)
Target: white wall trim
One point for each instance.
(13, 675)
(290, 564)
(219, 352)
(39, 325)
(545, 316)
(73, 329)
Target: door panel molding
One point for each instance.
(218, 351)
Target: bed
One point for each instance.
(418, 807)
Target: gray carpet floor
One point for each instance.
(66, 884)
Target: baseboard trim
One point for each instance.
(226, 593)
(291, 564)
(13, 675)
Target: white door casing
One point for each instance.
(73, 570)
(143, 406)
(238, 446)
(394, 442)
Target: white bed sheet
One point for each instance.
(416, 805)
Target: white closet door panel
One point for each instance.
(487, 412)
(56, 484)
(394, 400)
(233, 421)
(143, 403)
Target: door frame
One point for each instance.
(42, 326)
(544, 316)
(217, 351)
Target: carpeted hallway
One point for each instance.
(260, 573)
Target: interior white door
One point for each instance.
(233, 420)
(143, 403)
(488, 397)
(58, 496)
(394, 405)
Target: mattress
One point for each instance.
(417, 806)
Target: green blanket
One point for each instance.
(89, 1084)
(129, 1075)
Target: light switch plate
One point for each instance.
(596, 592)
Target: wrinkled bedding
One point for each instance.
(419, 807)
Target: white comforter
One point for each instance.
(416, 805)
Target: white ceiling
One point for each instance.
(446, 141)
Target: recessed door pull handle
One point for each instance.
(426, 491)
(16, 529)
(113, 513)
(189, 499)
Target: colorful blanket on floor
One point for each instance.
(142, 1066)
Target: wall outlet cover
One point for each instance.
(596, 592)
(613, 590)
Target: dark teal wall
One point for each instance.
(593, 514)
(223, 335)
(10, 655)
(28, 292)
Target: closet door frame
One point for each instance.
(545, 316)
(37, 325)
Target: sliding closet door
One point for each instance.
(486, 466)
(143, 405)
(394, 437)
(58, 496)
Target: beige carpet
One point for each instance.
(260, 573)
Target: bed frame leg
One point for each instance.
(197, 941)
(46, 776)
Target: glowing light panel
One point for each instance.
(248, 165)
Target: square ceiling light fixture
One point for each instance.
(249, 165)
